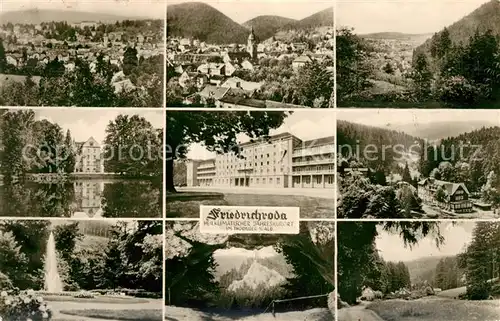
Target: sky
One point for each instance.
(306, 125)
(241, 11)
(391, 246)
(388, 117)
(132, 8)
(411, 16)
(84, 123)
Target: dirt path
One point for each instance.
(358, 313)
(58, 306)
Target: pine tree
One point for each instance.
(479, 258)
(421, 76)
(406, 174)
(3, 58)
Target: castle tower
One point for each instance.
(252, 44)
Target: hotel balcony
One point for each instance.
(317, 161)
(314, 172)
(205, 176)
(206, 166)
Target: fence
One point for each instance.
(272, 305)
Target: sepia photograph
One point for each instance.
(418, 54)
(249, 158)
(430, 164)
(82, 53)
(225, 277)
(418, 271)
(247, 54)
(81, 163)
(62, 270)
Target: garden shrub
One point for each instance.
(18, 305)
(458, 90)
(5, 282)
(84, 295)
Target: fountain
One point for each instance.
(53, 281)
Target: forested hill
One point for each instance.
(265, 27)
(323, 18)
(423, 269)
(352, 133)
(479, 150)
(205, 23)
(484, 18)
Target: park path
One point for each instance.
(357, 313)
(58, 306)
(291, 191)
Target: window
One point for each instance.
(277, 180)
(270, 180)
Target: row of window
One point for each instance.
(258, 171)
(242, 181)
(465, 205)
(318, 168)
(317, 179)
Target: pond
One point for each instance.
(91, 198)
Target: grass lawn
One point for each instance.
(436, 309)
(97, 299)
(310, 207)
(123, 315)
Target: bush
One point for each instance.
(22, 306)
(458, 90)
(5, 282)
(84, 295)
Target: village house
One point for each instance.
(449, 196)
(300, 62)
(236, 82)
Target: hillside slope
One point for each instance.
(37, 16)
(201, 21)
(266, 26)
(423, 269)
(319, 19)
(486, 17)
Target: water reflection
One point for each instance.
(82, 199)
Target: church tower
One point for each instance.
(252, 45)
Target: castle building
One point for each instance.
(252, 45)
(89, 157)
(282, 161)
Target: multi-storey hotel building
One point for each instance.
(89, 157)
(281, 161)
